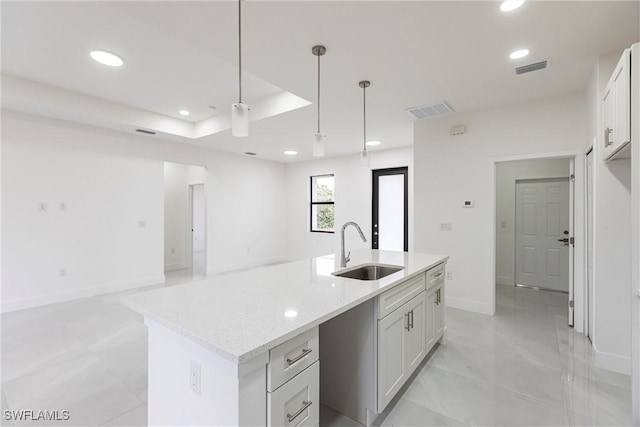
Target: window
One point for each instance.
(322, 203)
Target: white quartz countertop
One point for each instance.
(242, 315)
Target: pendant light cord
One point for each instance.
(364, 101)
(240, 51)
(318, 93)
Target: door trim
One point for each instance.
(377, 173)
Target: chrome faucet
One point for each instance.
(345, 259)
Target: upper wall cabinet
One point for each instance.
(616, 110)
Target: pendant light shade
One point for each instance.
(239, 110)
(318, 144)
(239, 119)
(318, 137)
(364, 154)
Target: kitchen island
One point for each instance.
(243, 348)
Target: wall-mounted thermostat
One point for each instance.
(467, 204)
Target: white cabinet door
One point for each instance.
(608, 102)
(391, 355)
(431, 307)
(415, 336)
(617, 107)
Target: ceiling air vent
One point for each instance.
(432, 110)
(533, 67)
(146, 132)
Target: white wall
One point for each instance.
(506, 175)
(635, 228)
(111, 181)
(177, 228)
(612, 237)
(450, 169)
(352, 200)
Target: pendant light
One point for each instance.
(239, 110)
(364, 154)
(318, 137)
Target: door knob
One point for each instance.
(565, 240)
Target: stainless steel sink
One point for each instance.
(368, 271)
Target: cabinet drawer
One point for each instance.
(435, 276)
(393, 298)
(297, 402)
(292, 357)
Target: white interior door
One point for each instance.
(198, 229)
(542, 225)
(589, 219)
(570, 246)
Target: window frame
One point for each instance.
(312, 203)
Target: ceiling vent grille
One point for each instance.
(146, 132)
(533, 67)
(432, 110)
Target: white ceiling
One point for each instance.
(182, 55)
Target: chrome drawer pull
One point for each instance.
(438, 274)
(305, 405)
(305, 352)
(608, 137)
(408, 327)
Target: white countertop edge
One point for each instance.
(244, 358)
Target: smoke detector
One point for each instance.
(430, 110)
(541, 65)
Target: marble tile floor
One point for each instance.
(524, 366)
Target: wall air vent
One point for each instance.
(533, 67)
(146, 132)
(432, 110)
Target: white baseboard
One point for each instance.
(175, 266)
(612, 362)
(231, 268)
(504, 280)
(468, 305)
(21, 304)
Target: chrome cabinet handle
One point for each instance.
(305, 405)
(408, 327)
(438, 274)
(411, 319)
(305, 352)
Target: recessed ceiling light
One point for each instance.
(290, 313)
(184, 112)
(373, 143)
(519, 54)
(509, 5)
(290, 153)
(106, 58)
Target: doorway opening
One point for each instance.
(390, 209)
(185, 222)
(534, 232)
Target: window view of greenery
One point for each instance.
(322, 203)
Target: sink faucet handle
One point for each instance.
(348, 257)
